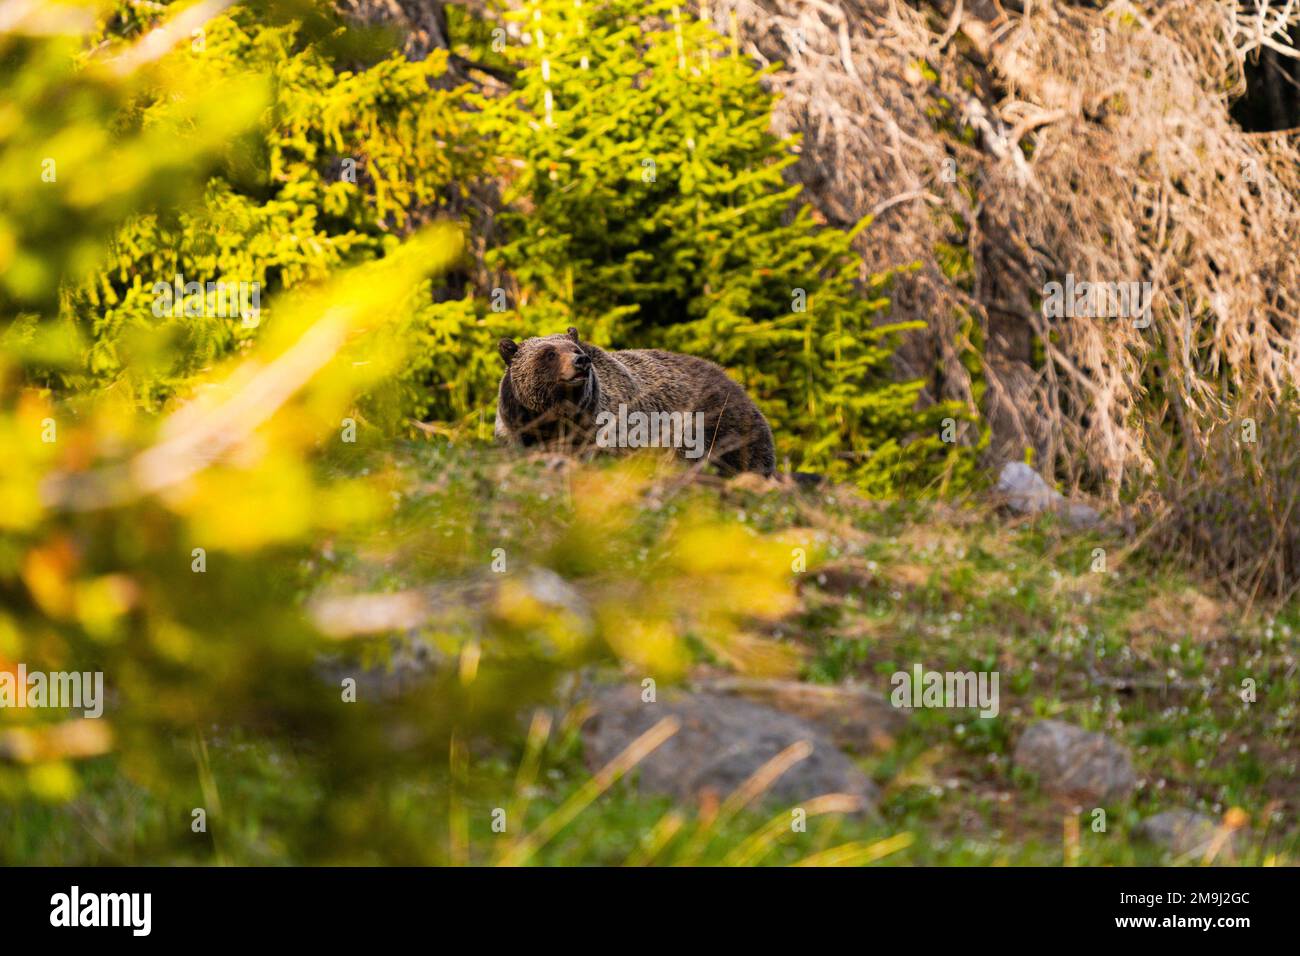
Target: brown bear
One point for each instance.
(564, 394)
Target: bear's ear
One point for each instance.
(573, 334)
(508, 348)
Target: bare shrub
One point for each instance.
(1235, 508)
(1086, 139)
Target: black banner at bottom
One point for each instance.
(336, 905)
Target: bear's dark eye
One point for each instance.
(548, 353)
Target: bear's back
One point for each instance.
(668, 381)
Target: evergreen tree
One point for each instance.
(650, 206)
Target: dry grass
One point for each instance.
(1232, 509)
(1087, 139)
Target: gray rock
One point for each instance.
(1076, 764)
(1081, 516)
(1183, 832)
(411, 662)
(1025, 490)
(858, 719)
(412, 659)
(1026, 493)
(721, 742)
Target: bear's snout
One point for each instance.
(575, 366)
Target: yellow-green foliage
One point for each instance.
(650, 210)
(176, 554)
(644, 202)
(329, 177)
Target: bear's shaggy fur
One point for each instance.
(556, 387)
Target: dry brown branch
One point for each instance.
(1103, 148)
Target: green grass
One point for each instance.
(1141, 652)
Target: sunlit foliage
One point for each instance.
(219, 529)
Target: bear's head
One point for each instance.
(550, 392)
(549, 373)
